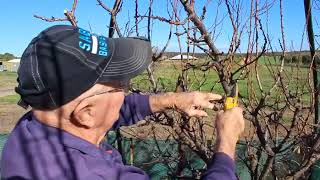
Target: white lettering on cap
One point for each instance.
(94, 44)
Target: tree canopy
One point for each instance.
(7, 57)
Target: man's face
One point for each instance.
(99, 107)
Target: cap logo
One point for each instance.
(93, 43)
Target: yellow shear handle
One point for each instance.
(232, 99)
(230, 103)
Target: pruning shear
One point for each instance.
(232, 98)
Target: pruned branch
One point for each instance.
(70, 15)
(113, 25)
(52, 19)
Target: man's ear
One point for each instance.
(83, 115)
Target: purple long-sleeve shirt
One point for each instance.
(37, 151)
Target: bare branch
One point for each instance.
(162, 19)
(52, 19)
(113, 25)
(70, 15)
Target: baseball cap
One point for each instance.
(64, 61)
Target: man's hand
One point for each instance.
(229, 126)
(190, 103)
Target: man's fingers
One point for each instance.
(210, 105)
(207, 100)
(193, 103)
(197, 113)
(206, 104)
(213, 97)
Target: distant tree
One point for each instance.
(294, 59)
(6, 57)
(288, 59)
(306, 59)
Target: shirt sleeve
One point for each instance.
(222, 167)
(135, 108)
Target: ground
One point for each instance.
(10, 114)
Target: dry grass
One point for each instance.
(9, 114)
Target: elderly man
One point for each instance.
(75, 82)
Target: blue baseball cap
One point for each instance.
(64, 61)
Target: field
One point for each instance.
(166, 74)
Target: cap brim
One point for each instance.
(129, 58)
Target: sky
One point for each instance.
(19, 26)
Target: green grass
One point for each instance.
(166, 74)
(11, 99)
(8, 79)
